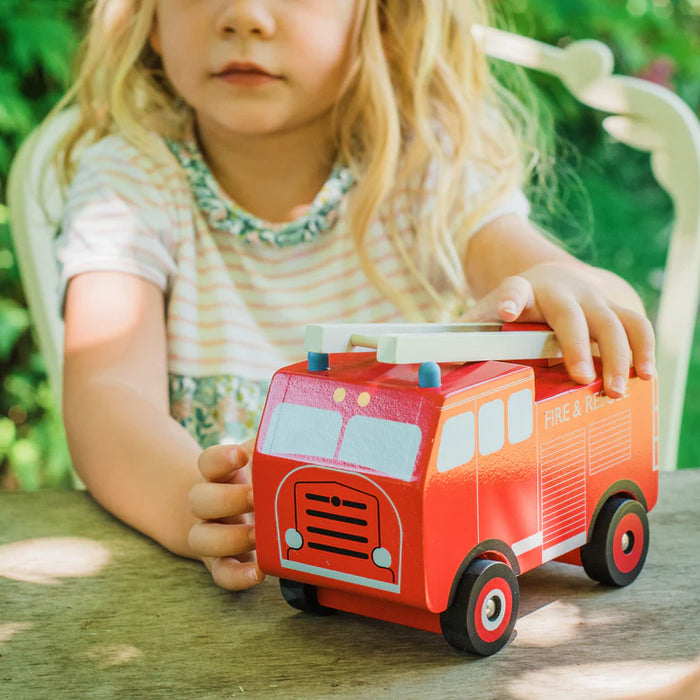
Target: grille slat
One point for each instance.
(355, 504)
(338, 550)
(338, 535)
(317, 497)
(335, 516)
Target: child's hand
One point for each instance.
(225, 539)
(567, 299)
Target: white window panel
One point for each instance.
(519, 416)
(491, 427)
(457, 442)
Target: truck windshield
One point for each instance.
(303, 430)
(387, 446)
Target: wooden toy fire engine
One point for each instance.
(416, 484)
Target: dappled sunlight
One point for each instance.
(109, 655)
(49, 559)
(626, 679)
(10, 629)
(549, 626)
(598, 618)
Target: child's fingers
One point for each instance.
(219, 462)
(505, 303)
(568, 321)
(641, 339)
(607, 329)
(211, 501)
(234, 575)
(514, 295)
(249, 446)
(209, 539)
(484, 311)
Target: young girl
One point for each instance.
(244, 167)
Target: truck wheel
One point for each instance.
(482, 615)
(617, 549)
(303, 596)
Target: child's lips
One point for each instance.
(250, 78)
(245, 72)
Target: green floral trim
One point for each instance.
(225, 215)
(217, 409)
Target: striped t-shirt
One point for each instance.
(239, 291)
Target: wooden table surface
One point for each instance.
(90, 608)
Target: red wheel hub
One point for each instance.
(493, 609)
(628, 543)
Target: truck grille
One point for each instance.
(335, 523)
(337, 520)
(346, 529)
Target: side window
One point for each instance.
(456, 442)
(519, 416)
(491, 427)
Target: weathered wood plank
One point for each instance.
(140, 622)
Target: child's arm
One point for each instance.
(135, 459)
(517, 274)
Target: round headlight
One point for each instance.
(381, 557)
(293, 538)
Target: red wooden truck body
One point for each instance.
(380, 492)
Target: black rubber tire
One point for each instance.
(617, 549)
(482, 615)
(303, 596)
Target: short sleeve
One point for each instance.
(116, 217)
(475, 199)
(512, 201)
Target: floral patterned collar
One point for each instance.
(225, 215)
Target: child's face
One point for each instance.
(304, 48)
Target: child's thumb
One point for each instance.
(219, 462)
(505, 303)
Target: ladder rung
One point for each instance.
(409, 348)
(342, 337)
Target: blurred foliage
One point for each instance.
(613, 213)
(38, 39)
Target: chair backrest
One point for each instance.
(645, 116)
(650, 118)
(36, 206)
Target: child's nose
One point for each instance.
(246, 18)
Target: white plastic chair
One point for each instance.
(36, 205)
(650, 118)
(645, 116)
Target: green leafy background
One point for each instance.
(611, 211)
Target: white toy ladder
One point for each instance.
(408, 343)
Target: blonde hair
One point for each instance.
(419, 99)
(120, 84)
